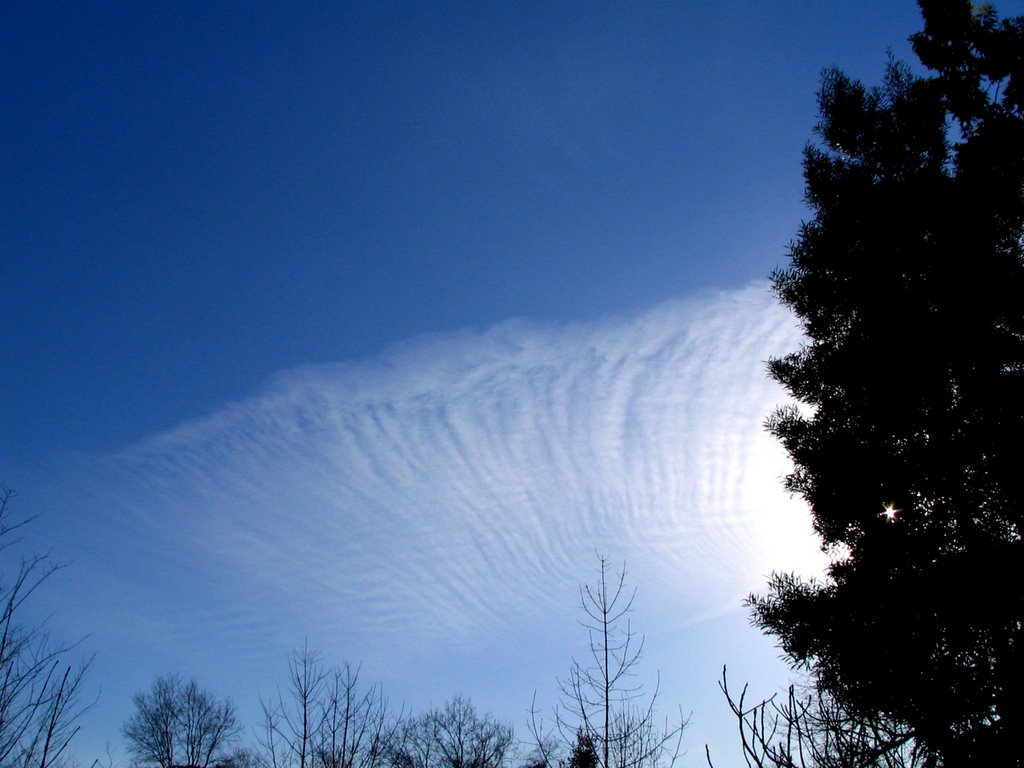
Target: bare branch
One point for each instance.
(454, 736)
(601, 703)
(811, 730)
(327, 719)
(179, 723)
(39, 690)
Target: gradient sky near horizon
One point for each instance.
(367, 324)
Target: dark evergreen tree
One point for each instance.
(584, 754)
(909, 283)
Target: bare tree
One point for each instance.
(177, 723)
(39, 688)
(326, 719)
(354, 727)
(454, 736)
(151, 731)
(208, 726)
(290, 725)
(809, 729)
(602, 704)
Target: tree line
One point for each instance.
(327, 717)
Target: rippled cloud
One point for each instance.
(450, 487)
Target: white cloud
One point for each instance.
(431, 511)
(449, 488)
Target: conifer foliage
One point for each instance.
(909, 283)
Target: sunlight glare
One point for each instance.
(889, 512)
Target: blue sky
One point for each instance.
(369, 323)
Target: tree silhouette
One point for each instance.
(40, 690)
(909, 284)
(605, 714)
(584, 753)
(177, 723)
(453, 736)
(807, 728)
(327, 718)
